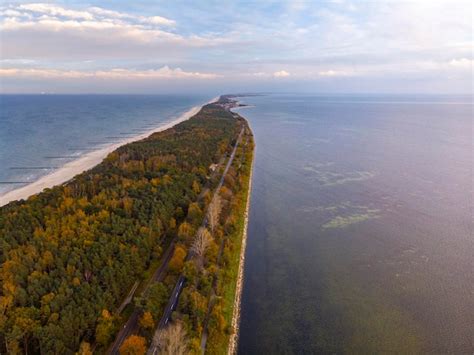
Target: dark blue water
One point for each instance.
(361, 228)
(47, 131)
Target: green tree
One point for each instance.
(195, 213)
(103, 331)
(156, 300)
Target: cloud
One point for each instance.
(91, 13)
(158, 20)
(94, 33)
(462, 63)
(281, 74)
(153, 20)
(118, 73)
(383, 44)
(333, 73)
(53, 10)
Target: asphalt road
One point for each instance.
(131, 327)
(174, 298)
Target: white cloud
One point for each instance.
(152, 20)
(58, 33)
(281, 74)
(158, 20)
(334, 73)
(107, 13)
(53, 10)
(462, 63)
(13, 13)
(118, 73)
(316, 41)
(92, 13)
(81, 28)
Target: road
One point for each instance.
(131, 326)
(174, 298)
(128, 299)
(214, 284)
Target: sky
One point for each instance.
(338, 46)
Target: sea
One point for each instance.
(360, 236)
(39, 134)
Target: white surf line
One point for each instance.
(88, 161)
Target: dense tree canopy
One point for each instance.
(69, 255)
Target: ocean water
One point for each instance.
(41, 133)
(360, 234)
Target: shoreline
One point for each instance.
(88, 161)
(235, 324)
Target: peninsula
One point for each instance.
(139, 254)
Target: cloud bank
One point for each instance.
(117, 73)
(337, 46)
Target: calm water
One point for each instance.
(47, 131)
(361, 226)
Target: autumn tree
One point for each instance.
(196, 187)
(103, 332)
(214, 212)
(146, 321)
(172, 224)
(85, 349)
(133, 345)
(172, 340)
(185, 231)
(69, 252)
(226, 193)
(25, 325)
(200, 244)
(194, 213)
(177, 261)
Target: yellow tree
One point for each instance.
(103, 330)
(146, 321)
(177, 261)
(84, 349)
(133, 345)
(196, 187)
(185, 231)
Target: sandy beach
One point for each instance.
(86, 162)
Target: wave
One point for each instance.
(87, 161)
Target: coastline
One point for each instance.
(235, 324)
(87, 161)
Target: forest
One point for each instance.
(70, 255)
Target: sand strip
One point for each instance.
(86, 162)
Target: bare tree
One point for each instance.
(214, 212)
(172, 340)
(201, 243)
